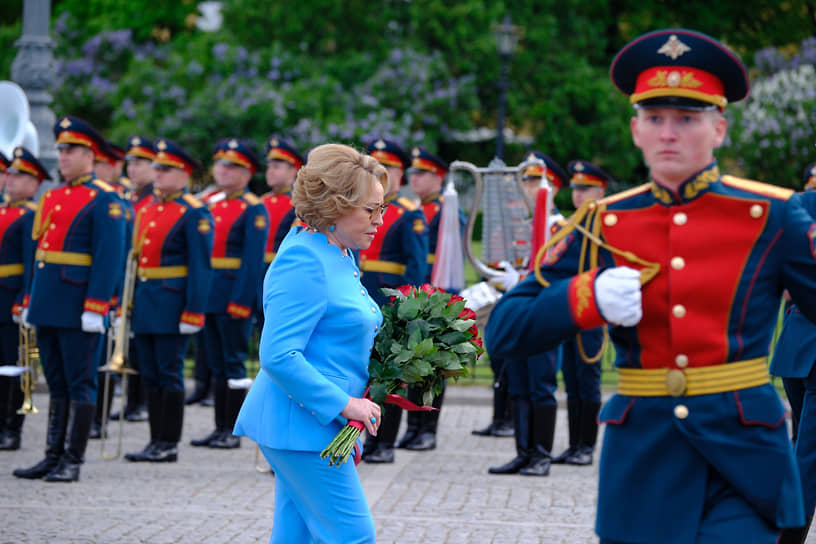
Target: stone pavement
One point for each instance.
(211, 496)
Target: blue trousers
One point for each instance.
(70, 359)
(161, 360)
(582, 380)
(805, 448)
(727, 519)
(316, 503)
(227, 344)
(534, 378)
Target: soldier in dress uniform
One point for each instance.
(426, 175)
(241, 226)
(582, 379)
(398, 256)
(23, 178)
(794, 360)
(532, 381)
(108, 167)
(80, 228)
(543, 383)
(139, 157)
(688, 274)
(173, 241)
(282, 164)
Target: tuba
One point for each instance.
(118, 360)
(16, 127)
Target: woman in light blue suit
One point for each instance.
(319, 329)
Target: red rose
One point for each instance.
(428, 288)
(467, 313)
(406, 290)
(454, 299)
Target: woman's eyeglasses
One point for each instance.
(376, 210)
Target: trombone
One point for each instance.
(118, 360)
(29, 359)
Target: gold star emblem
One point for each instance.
(379, 144)
(162, 145)
(673, 48)
(579, 167)
(65, 123)
(674, 78)
(415, 152)
(233, 144)
(135, 141)
(273, 142)
(18, 152)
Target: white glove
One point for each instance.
(508, 279)
(24, 318)
(16, 318)
(115, 322)
(186, 328)
(92, 322)
(617, 293)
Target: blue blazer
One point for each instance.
(319, 329)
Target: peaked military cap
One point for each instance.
(388, 153)
(169, 153)
(240, 152)
(4, 162)
(280, 149)
(585, 174)
(70, 130)
(25, 162)
(679, 68)
(110, 153)
(422, 159)
(139, 148)
(554, 173)
(810, 177)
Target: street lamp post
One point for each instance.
(506, 39)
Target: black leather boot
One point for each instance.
(412, 421)
(154, 418)
(10, 439)
(135, 409)
(54, 441)
(172, 420)
(795, 535)
(522, 414)
(499, 426)
(79, 426)
(383, 450)
(428, 423)
(227, 440)
(588, 436)
(543, 431)
(220, 394)
(574, 426)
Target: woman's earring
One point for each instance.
(331, 228)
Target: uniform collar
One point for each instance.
(80, 180)
(171, 196)
(689, 190)
(430, 198)
(18, 203)
(235, 194)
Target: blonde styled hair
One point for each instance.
(335, 179)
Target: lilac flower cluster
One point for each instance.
(199, 88)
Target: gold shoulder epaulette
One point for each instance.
(625, 194)
(407, 203)
(192, 201)
(105, 186)
(758, 187)
(251, 198)
(125, 182)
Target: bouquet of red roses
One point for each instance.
(427, 336)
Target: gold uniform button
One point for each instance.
(161, 208)
(362, 292)
(45, 245)
(681, 360)
(610, 220)
(678, 263)
(40, 264)
(675, 382)
(373, 309)
(756, 211)
(679, 310)
(356, 274)
(680, 218)
(681, 411)
(58, 207)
